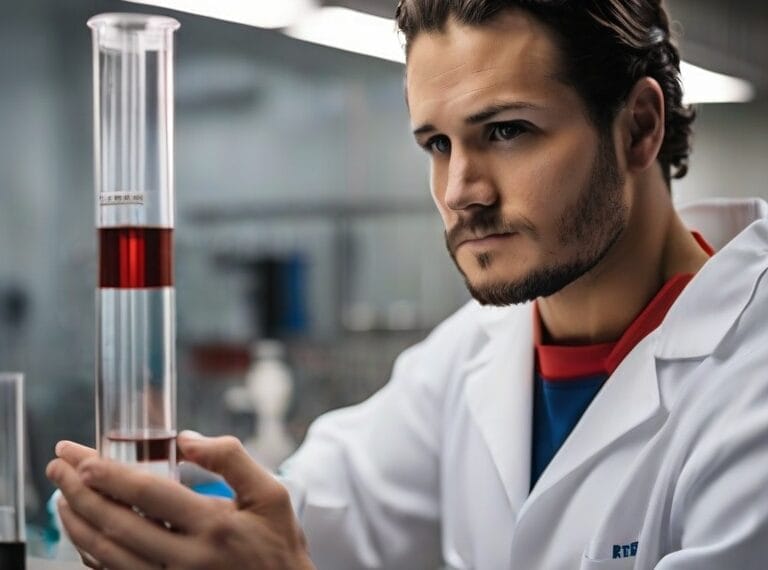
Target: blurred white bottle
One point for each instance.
(269, 383)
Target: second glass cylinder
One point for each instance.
(135, 346)
(12, 441)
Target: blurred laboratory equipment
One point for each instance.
(12, 520)
(269, 383)
(276, 291)
(133, 156)
(15, 304)
(267, 393)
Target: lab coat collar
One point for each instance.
(626, 401)
(715, 298)
(499, 392)
(499, 386)
(694, 327)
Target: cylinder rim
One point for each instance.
(130, 21)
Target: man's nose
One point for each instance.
(468, 183)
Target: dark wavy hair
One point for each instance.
(606, 46)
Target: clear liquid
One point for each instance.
(11, 524)
(136, 371)
(136, 353)
(154, 453)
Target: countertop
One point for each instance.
(41, 564)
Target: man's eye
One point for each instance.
(507, 131)
(439, 144)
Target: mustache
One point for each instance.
(481, 224)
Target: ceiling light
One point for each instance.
(363, 33)
(374, 36)
(350, 30)
(259, 13)
(703, 86)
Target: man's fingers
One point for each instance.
(101, 549)
(117, 523)
(73, 453)
(89, 560)
(156, 497)
(254, 486)
(64, 476)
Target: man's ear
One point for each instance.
(643, 124)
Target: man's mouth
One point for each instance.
(486, 241)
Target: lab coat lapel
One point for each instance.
(499, 394)
(714, 300)
(629, 398)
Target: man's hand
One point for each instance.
(100, 500)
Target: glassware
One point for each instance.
(133, 159)
(12, 532)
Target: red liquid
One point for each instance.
(12, 556)
(135, 257)
(147, 449)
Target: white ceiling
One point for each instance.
(726, 36)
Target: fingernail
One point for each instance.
(52, 472)
(60, 448)
(190, 434)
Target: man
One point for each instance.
(602, 404)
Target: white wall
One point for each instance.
(730, 153)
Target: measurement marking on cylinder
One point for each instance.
(121, 198)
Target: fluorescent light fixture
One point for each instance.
(363, 33)
(703, 86)
(374, 36)
(259, 13)
(350, 30)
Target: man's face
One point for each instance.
(530, 193)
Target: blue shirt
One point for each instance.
(557, 408)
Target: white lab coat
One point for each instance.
(668, 467)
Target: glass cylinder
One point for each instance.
(12, 522)
(133, 159)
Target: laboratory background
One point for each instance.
(305, 236)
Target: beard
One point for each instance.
(593, 224)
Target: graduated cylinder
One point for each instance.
(12, 521)
(133, 159)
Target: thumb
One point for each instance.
(73, 453)
(255, 487)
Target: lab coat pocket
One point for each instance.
(607, 564)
